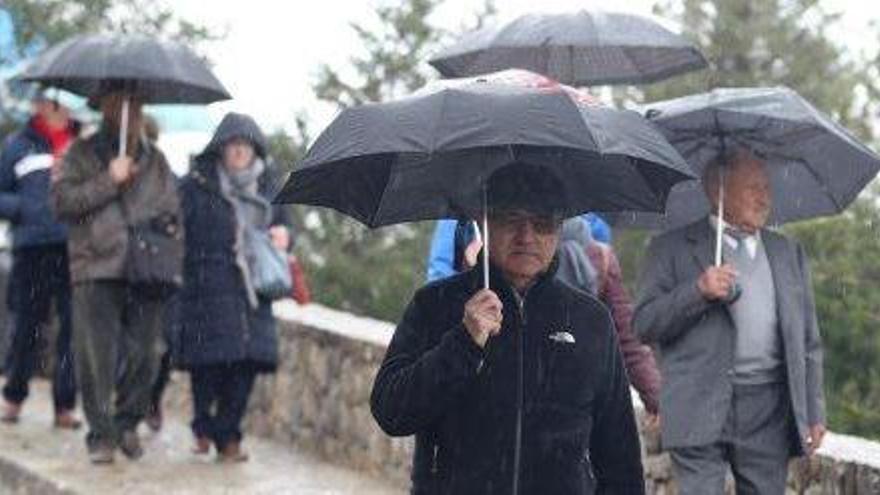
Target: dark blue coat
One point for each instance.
(215, 323)
(24, 190)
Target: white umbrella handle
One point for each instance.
(719, 233)
(123, 129)
(485, 240)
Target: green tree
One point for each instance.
(350, 267)
(38, 24)
(41, 23)
(845, 257)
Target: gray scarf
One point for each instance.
(253, 213)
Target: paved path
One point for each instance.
(36, 459)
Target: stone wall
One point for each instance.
(319, 401)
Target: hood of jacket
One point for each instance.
(235, 125)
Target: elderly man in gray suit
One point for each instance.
(740, 351)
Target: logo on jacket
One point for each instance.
(562, 337)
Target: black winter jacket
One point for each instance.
(578, 429)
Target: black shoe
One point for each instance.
(11, 412)
(101, 453)
(130, 445)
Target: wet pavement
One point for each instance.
(35, 458)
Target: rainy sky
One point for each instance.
(301, 36)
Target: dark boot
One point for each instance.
(202, 446)
(11, 412)
(65, 420)
(101, 453)
(232, 452)
(130, 445)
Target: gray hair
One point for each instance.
(729, 161)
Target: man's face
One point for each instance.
(522, 244)
(747, 195)
(56, 115)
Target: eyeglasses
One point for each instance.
(515, 220)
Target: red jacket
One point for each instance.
(638, 358)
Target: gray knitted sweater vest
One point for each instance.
(758, 357)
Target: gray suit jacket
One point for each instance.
(696, 337)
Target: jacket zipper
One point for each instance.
(520, 302)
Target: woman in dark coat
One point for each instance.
(227, 331)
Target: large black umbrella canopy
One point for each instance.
(428, 155)
(159, 71)
(816, 166)
(584, 48)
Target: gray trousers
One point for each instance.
(756, 444)
(114, 326)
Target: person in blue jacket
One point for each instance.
(455, 244)
(40, 273)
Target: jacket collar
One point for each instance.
(500, 285)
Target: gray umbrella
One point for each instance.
(581, 49)
(816, 167)
(160, 71)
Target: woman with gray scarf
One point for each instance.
(227, 332)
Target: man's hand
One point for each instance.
(482, 316)
(652, 423)
(717, 282)
(122, 170)
(280, 237)
(814, 438)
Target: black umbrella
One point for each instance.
(158, 71)
(584, 48)
(427, 156)
(816, 167)
(161, 71)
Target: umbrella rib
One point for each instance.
(381, 201)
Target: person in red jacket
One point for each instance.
(639, 359)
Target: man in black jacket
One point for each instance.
(520, 388)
